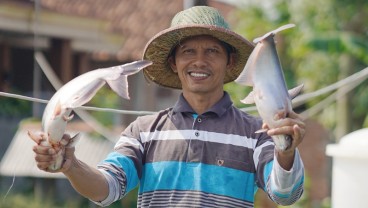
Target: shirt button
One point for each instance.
(199, 120)
(196, 133)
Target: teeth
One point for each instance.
(194, 74)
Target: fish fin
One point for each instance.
(74, 140)
(37, 137)
(68, 118)
(295, 91)
(261, 131)
(249, 99)
(273, 32)
(120, 86)
(245, 77)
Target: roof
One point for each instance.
(136, 20)
(113, 28)
(19, 157)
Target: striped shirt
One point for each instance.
(180, 159)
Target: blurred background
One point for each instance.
(46, 43)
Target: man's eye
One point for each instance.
(186, 51)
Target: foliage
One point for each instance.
(14, 107)
(237, 93)
(105, 98)
(328, 43)
(28, 201)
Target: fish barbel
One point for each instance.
(263, 71)
(78, 92)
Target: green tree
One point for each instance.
(328, 43)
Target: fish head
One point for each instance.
(55, 121)
(282, 142)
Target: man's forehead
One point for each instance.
(200, 38)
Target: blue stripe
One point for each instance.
(212, 179)
(127, 165)
(267, 172)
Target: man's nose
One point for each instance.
(200, 60)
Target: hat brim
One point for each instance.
(159, 47)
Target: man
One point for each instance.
(202, 152)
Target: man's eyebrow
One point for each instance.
(182, 46)
(216, 46)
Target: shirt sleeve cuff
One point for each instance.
(113, 190)
(285, 179)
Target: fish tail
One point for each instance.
(273, 32)
(134, 67)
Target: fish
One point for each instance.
(263, 71)
(77, 92)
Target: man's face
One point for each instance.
(201, 63)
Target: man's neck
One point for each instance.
(202, 102)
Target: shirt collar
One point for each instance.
(182, 106)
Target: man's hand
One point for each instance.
(294, 126)
(45, 155)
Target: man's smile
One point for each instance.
(198, 74)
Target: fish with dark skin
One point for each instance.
(263, 72)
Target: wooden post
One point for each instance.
(83, 63)
(344, 106)
(5, 66)
(61, 59)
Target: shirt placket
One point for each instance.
(195, 146)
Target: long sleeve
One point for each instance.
(286, 187)
(122, 167)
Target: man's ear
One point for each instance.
(171, 61)
(231, 61)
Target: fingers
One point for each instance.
(292, 125)
(44, 156)
(298, 134)
(66, 165)
(65, 140)
(47, 155)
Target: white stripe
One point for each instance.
(127, 141)
(206, 136)
(258, 151)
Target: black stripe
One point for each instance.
(227, 123)
(211, 153)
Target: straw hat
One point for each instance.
(199, 20)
